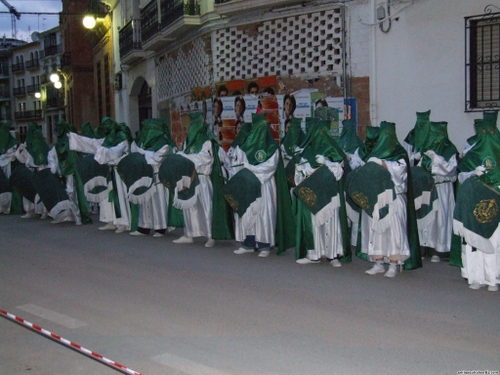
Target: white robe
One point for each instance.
(262, 225)
(391, 244)
(438, 233)
(153, 212)
(198, 218)
(327, 231)
(5, 164)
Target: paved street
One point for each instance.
(161, 309)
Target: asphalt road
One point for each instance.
(159, 309)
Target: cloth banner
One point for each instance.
(94, 178)
(242, 190)
(21, 180)
(137, 175)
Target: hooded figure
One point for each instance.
(269, 221)
(476, 216)
(417, 137)
(64, 162)
(290, 150)
(388, 229)
(33, 155)
(439, 158)
(8, 146)
(149, 149)
(200, 217)
(321, 215)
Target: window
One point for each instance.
(482, 62)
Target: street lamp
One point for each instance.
(89, 21)
(58, 84)
(54, 77)
(38, 95)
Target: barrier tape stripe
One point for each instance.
(117, 366)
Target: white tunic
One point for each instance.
(327, 231)
(391, 244)
(5, 164)
(198, 218)
(262, 225)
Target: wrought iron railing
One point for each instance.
(172, 10)
(19, 67)
(30, 89)
(130, 37)
(37, 113)
(149, 20)
(51, 50)
(32, 64)
(217, 2)
(19, 91)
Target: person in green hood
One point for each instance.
(63, 162)
(321, 229)
(198, 215)
(111, 144)
(476, 216)
(33, 154)
(153, 143)
(8, 146)
(262, 226)
(439, 157)
(387, 240)
(417, 137)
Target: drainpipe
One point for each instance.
(373, 65)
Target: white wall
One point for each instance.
(420, 65)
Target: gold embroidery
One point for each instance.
(486, 210)
(231, 201)
(308, 196)
(361, 200)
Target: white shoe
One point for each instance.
(210, 243)
(377, 268)
(336, 263)
(392, 271)
(158, 234)
(121, 229)
(435, 259)
(306, 261)
(263, 253)
(242, 250)
(108, 226)
(136, 233)
(43, 216)
(170, 229)
(27, 216)
(492, 288)
(183, 239)
(475, 286)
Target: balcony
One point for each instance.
(51, 51)
(32, 64)
(28, 115)
(4, 71)
(18, 68)
(232, 7)
(54, 103)
(20, 91)
(130, 42)
(178, 17)
(152, 39)
(31, 89)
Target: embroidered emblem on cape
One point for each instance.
(191, 150)
(260, 156)
(308, 196)
(489, 163)
(486, 210)
(361, 200)
(231, 201)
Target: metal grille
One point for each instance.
(309, 44)
(482, 65)
(177, 75)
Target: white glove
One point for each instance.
(479, 171)
(417, 156)
(431, 154)
(376, 160)
(320, 159)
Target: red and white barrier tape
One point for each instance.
(70, 344)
